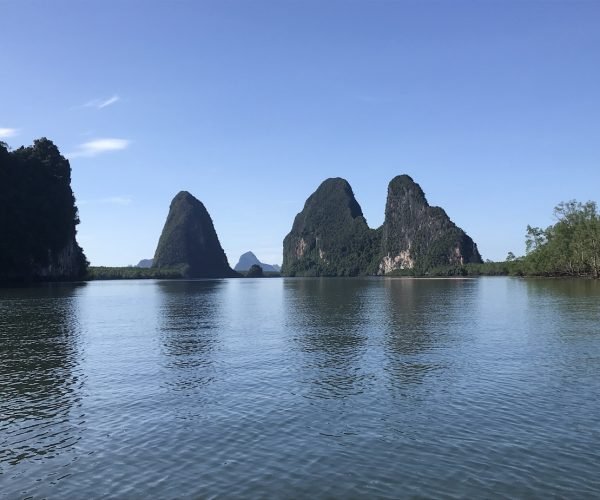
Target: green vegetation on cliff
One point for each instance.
(38, 215)
(189, 242)
(330, 236)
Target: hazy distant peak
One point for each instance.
(248, 259)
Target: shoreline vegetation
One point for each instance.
(103, 273)
(517, 268)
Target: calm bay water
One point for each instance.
(301, 388)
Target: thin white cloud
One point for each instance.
(108, 102)
(5, 133)
(117, 200)
(99, 146)
(102, 103)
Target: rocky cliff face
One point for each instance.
(189, 241)
(38, 216)
(66, 263)
(330, 236)
(418, 236)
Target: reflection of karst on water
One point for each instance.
(413, 309)
(331, 331)
(188, 318)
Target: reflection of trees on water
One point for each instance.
(40, 376)
(328, 323)
(421, 316)
(569, 288)
(569, 308)
(568, 302)
(189, 319)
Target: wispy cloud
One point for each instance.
(99, 146)
(5, 133)
(116, 200)
(111, 200)
(108, 102)
(102, 103)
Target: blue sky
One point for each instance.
(492, 106)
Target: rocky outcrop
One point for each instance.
(145, 263)
(248, 259)
(38, 216)
(418, 236)
(330, 236)
(67, 263)
(190, 243)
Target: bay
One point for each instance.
(385, 388)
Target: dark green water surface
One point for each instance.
(301, 388)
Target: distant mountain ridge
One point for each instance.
(248, 259)
(145, 263)
(330, 236)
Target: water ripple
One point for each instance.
(301, 388)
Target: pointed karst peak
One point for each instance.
(185, 196)
(335, 183)
(189, 241)
(248, 259)
(404, 186)
(416, 235)
(337, 190)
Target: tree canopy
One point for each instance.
(571, 246)
(255, 271)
